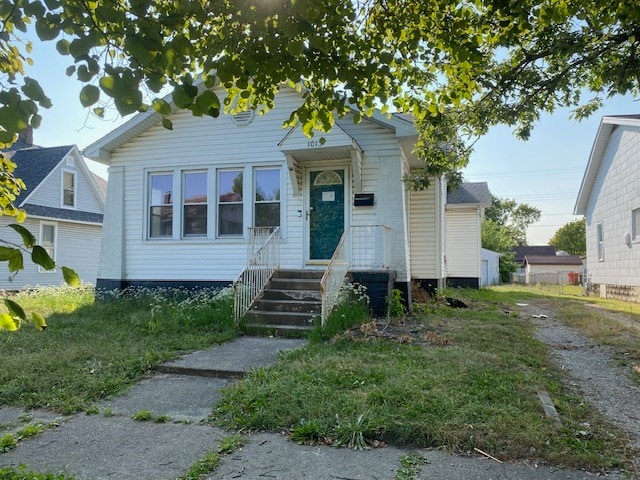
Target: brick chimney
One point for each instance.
(26, 136)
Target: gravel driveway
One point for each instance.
(592, 367)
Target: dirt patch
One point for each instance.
(405, 331)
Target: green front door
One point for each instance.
(326, 218)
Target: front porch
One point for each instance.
(268, 295)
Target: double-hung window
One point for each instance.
(194, 201)
(600, 241)
(230, 202)
(48, 241)
(68, 189)
(266, 197)
(160, 205)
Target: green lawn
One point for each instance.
(458, 378)
(92, 350)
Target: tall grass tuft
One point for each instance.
(352, 309)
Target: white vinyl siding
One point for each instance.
(463, 243)
(613, 197)
(77, 247)
(424, 234)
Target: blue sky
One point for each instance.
(545, 171)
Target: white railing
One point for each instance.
(369, 247)
(334, 276)
(263, 258)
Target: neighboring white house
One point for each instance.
(609, 198)
(464, 213)
(490, 268)
(183, 203)
(64, 202)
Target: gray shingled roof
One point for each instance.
(62, 213)
(552, 260)
(101, 183)
(34, 164)
(522, 251)
(470, 193)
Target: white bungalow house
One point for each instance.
(609, 198)
(64, 202)
(189, 206)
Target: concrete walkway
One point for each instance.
(117, 447)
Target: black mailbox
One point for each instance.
(363, 200)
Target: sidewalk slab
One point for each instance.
(95, 447)
(232, 359)
(179, 396)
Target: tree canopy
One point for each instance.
(458, 67)
(572, 238)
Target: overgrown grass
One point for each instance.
(478, 392)
(94, 349)
(21, 473)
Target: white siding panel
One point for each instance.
(77, 247)
(463, 243)
(423, 234)
(614, 196)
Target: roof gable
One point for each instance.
(607, 126)
(34, 165)
(101, 149)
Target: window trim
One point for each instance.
(149, 205)
(255, 202)
(42, 224)
(635, 225)
(183, 203)
(74, 174)
(241, 170)
(600, 241)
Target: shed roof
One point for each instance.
(522, 251)
(470, 193)
(553, 260)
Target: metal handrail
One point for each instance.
(262, 261)
(334, 276)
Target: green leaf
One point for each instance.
(89, 95)
(7, 253)
(180, 97)
(38, 321)
(40, 257)
(62, 46)
(27, 237)
(46, 29)
(168, 124)
(15, 309)
(16, 262)
(161, 106)
(8, 323)
(70, 70)
(70, 276)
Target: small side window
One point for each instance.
(69, 189)
(600, 241)
(48, 241)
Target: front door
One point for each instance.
(326, 212)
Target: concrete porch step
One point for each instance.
(288, 305)
(298, 274)
(281, 318)
(294, 284)
(297, 295)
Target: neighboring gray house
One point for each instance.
(64, 202)
(464, 213)
(609, 198)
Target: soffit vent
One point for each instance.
(70, 161)
(242, 119)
